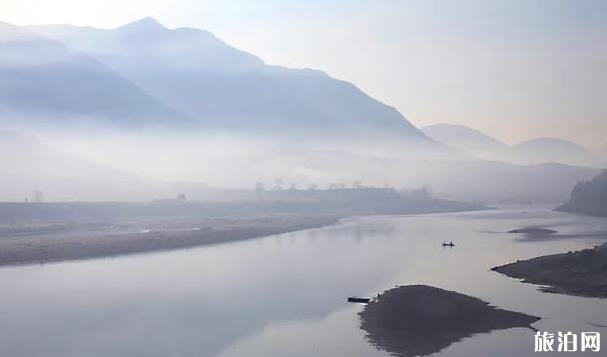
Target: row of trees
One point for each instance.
(36, 196)
(278, 186)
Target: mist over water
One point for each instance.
(88, 148)
(146, 106)
(68, 162)
(286, 293)
(165, 193)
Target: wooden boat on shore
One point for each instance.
(359, 300)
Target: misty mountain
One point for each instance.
(29, 163)
(535, 151)
(491, 182)
(44, 81)
(501, 182)
(191, 81)
(466, 140)
(551, 150)
(224, 88)
(589, 197)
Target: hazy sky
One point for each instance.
(515, 69)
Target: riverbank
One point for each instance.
(53, 231)
(418, 320)
(581, 273)
(43, 243)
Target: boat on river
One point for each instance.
(359, 300)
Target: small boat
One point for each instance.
(450, 244)
(359, 299)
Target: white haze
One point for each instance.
(173, 112)
(92, 164)
(229, 160)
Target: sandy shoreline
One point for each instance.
(40, 248)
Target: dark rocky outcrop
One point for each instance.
(419, 320)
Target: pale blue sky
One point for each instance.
(514, 68)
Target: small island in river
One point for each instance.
(534, 231)
(418, 320)
(581, 273)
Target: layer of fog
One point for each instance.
(75, 164)
(230, 160)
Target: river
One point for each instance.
(284, 295)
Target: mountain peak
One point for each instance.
(550, 141)
(144, 24)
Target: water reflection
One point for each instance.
(281, 295)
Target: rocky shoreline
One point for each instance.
(581, 273)
(418, 320)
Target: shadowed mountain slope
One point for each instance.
(224, 88)
(44, 81)
(589, 197)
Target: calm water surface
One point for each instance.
(285, 295)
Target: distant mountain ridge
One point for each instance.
(222, 88)
(45, 79)
(551, 149)
(465, 139)
(533, 151)
(29, 163)
(187, 80)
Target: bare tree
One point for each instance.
(37, 196)
(260, 190)
(259, 186)
(277, 184)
